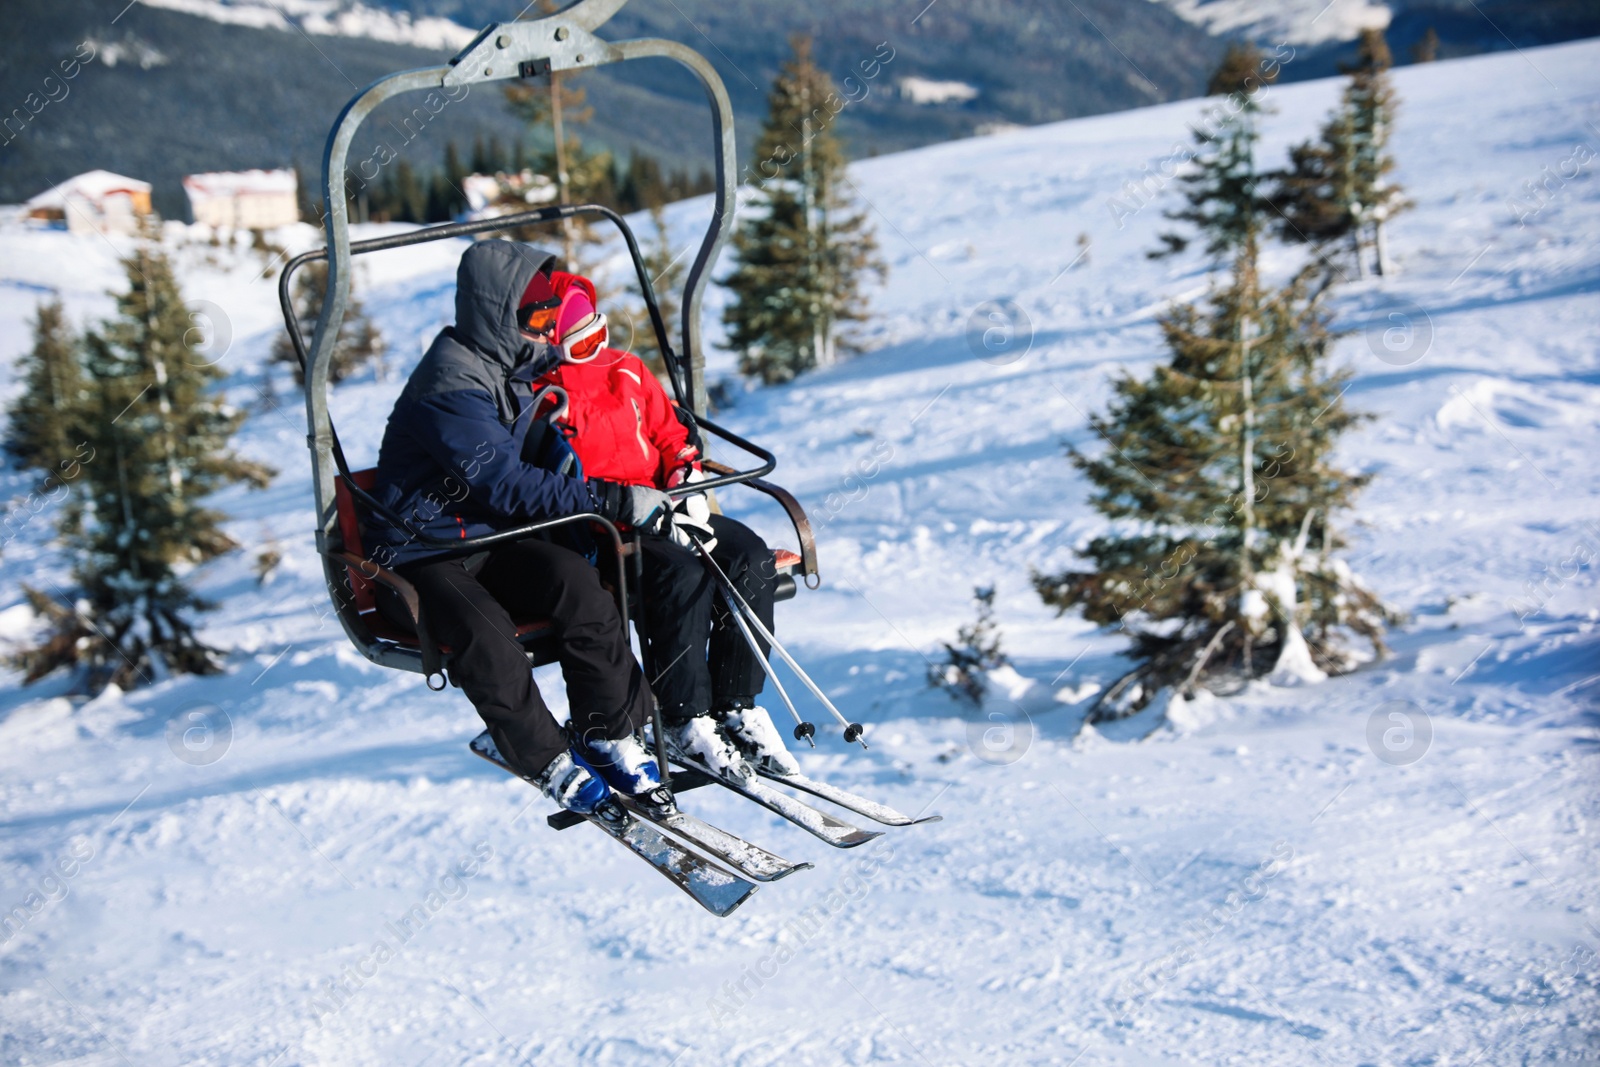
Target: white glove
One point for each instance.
(691, 518)
(691, 523)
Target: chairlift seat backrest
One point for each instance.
(366, 591)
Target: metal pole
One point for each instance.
(853, 731)
(802, 729)
(644, 644)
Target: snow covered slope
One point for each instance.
(1392, 867)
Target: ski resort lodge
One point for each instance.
(244, 200)
(96, 201)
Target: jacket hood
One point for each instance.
(489, 284)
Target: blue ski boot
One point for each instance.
(628, 767)
(573, 784)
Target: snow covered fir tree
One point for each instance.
(1337, 193)
(159, 445)
(360, 341)
(977, 650)
(39, 431)
(803, 252)
(1218, 470)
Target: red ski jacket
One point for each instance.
(625, 429)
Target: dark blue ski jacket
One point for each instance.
(452, 463)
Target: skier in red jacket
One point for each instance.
(626, 431)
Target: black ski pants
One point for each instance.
(697, 658)
(468, 606)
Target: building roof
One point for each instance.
(240, 182)
(91, 185)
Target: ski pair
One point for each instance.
(834, 831)
(718, 891)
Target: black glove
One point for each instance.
(690, 424)
(638, 506)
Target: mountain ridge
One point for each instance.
(257, 83)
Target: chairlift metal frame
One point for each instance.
(562, 41)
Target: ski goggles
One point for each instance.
(583, 343)
(539, 318)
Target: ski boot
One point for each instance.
(628, 767)
(751, 732)
(570, 783)
(702, 741)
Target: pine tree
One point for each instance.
(39, 435)
(307, 197)
(160, 446)
(977, 651)
(444, 201)
(769, 319)
(359, 340)
(640, 184)
(666, 269)
(804, 254)
(579, 176)
(1218, 469)
(445, 198)
(1336, 189)
(1222, 190)
(1426, 50)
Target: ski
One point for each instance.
(834, 831)
(739, 855)
(713, 888)
(882, 813)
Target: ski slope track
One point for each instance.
(299, 862)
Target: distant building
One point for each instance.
(927, 91)
(493, 195)
(97, 201)
(244, 199)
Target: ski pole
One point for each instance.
(658, 727)
(853, 731)
(802, 729)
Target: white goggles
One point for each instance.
(585, 342)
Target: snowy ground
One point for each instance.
(1249, 884)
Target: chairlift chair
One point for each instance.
(564, 40)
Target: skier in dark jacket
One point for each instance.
(453, 466)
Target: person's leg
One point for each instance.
(605, 688)
(677, 597)
(736, 673)
(488, 663)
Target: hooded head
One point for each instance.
(490, 284)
